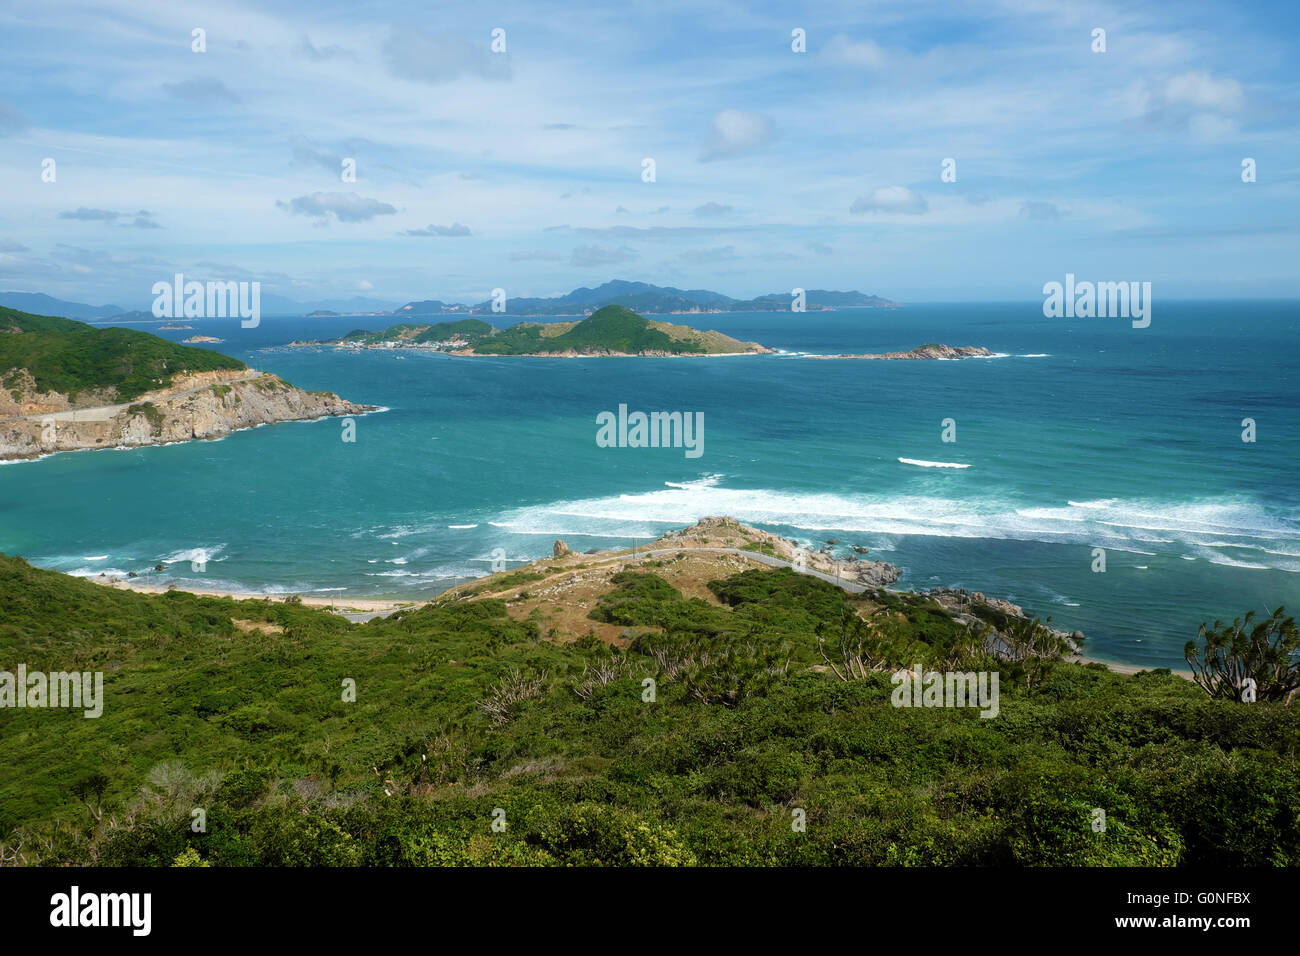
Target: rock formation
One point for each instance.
(203, 405)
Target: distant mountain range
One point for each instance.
(649, 299)
(38, 303)
(640, 297)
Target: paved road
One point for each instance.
(102, 413)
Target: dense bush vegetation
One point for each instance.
(72, 357)
(742, 726)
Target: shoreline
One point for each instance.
(41, 456)
(348, 604)
(370, 607)
(467, 353)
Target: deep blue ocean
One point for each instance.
(1081, 434)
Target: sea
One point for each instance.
(1108, 479)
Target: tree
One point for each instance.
(1267, 654)
(1034, 646)
(861, 648)
(90, 788)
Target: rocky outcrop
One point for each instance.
(560, 549)
(961, 603)
(931, 351)
(205, 405)
(724, 532)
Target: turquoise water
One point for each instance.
(1081, 434)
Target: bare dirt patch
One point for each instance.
(256, 627)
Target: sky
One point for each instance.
(525, 168)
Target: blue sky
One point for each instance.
(774, 169)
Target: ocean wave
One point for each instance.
(461, 527)
(197, 555)
(1230, 563)
(708, 481)
(932, 464)
(97, 572)
(1129, 525)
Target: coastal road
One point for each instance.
(102, 413)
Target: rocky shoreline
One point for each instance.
(207, 405)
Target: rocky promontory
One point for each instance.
(200, 405)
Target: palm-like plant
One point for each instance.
(1267, 653)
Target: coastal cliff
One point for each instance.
(201, 405)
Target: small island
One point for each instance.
(610, 331)
(928, 351)
(201, 338)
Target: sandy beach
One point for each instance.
(337, 604)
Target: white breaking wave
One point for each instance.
(1127, 525)
(461, 527)
(708, 481)
(932, 464)
(195, 555)
(1230, 563)
(97, 572)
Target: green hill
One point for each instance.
(72, 357)
(460, 709)
(610, 330)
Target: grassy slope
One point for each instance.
(71, 357)
(707, 773)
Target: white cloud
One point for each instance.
(898, 199)
(865, 54)
(345, 207)
(414, 55)
(734, 133)
(457, 230)
(1199, 90)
